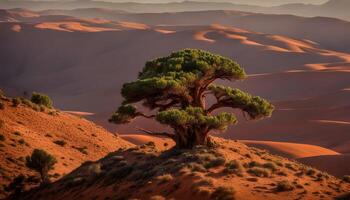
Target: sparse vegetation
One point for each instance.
(21, 141)
(165, 178)
(2, 105)
(346, 178)
(259, 172)
(2, 137)
(82, 150)
(41, 99)
(16, 102)
(234, 167)
(41, 162)
(17, 133)
(61, 143)
(181, 80)
(284, 186)
(224, 193)
(17, 185)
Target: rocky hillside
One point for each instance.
(229, 170)
(25, 126)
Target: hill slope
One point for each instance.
(229, 171)
(72, 140)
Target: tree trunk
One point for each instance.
(191, 138)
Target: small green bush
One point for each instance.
(41, 99)
(61, 143)
(224, 193)
(259, 172)
(284, 186)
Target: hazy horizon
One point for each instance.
(247, 2)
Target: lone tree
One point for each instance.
(41, 162)
(175, 88)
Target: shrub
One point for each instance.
(17, 185)
(81, 149)
(270, 166)
(2, 137)
(21, 141)
(234, 167)
(195, 167)
(346, 178)
(224, 193)
(284, 186)
(41, 99)
(164, 178)
(2, 105)
(16, 102)
(41, 162)
(61, 143)
(215, 163)
(17, 133)
(259, 172)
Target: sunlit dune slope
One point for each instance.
(72, 140)
(146, 172)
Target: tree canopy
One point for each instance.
(174, 89)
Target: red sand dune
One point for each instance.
(290, 150)
(338, 165)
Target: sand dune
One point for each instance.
(338, 165)
(25, 129)
(279, 75)
(290, 150)
(133, 25)
(164, 31)
(202, 36)
(71, 27)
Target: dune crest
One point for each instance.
(133, 25)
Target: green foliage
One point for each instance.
(41, 99)
(41, 162)
(195, 117)
(254, 106)
(175, 87)
(124, 114)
